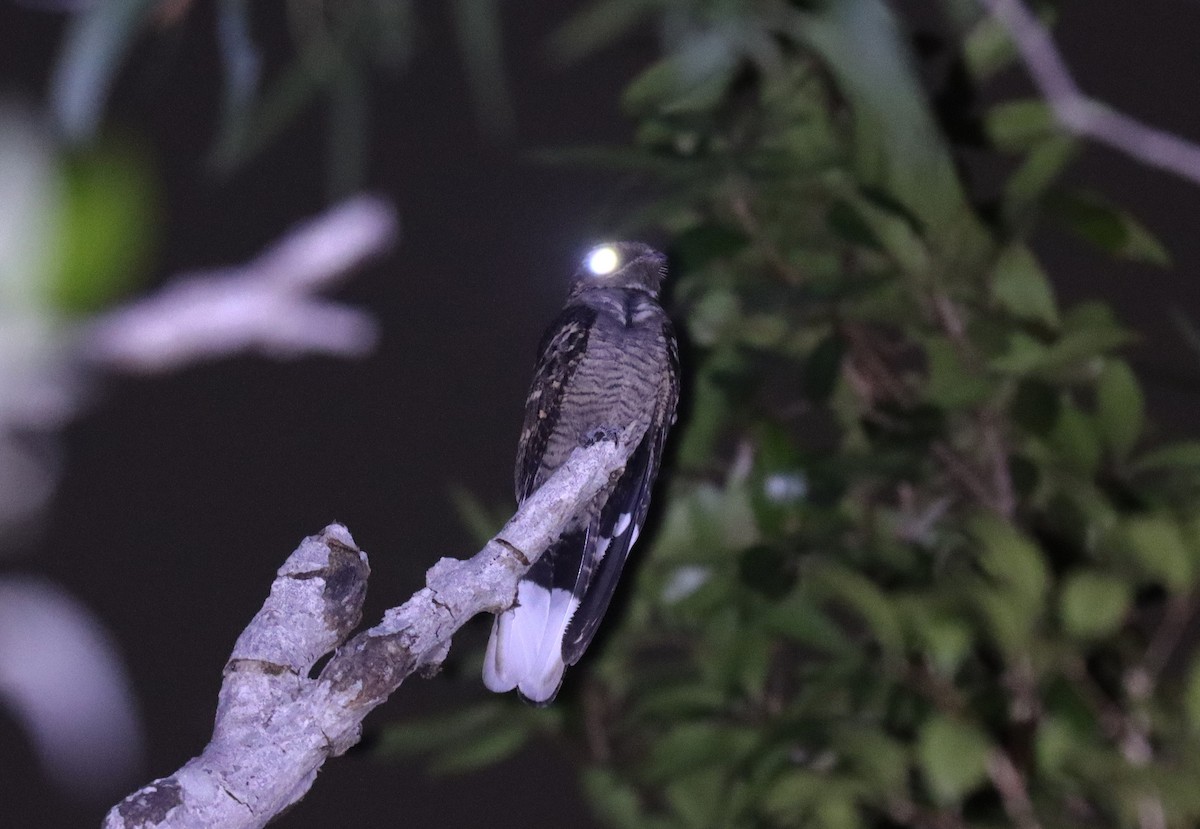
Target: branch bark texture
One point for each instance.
(276, 725)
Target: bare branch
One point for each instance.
(276, 726)
(1082, 115)
(269, 304)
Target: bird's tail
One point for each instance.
(525, 649)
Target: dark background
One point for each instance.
(183, 494)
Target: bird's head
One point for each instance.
(622, 265)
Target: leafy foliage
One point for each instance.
(916, 564)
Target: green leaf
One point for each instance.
(1019, 126)
(1120, 408)
(1011, 558)
(862, 595)
(953, 757)
(1182, 455)
(597, 25)
(108, 223)
(802, 797)
(949, 642)
(415, 737)
(690, 747)
(1094, 604)
(1076, 440)
(1023, 354)
(1057, 743)
(1159, 547)
(1042, 167)
(1191, 700)
(691, 79)
(480, 521)
(799, 619)
(849, 224)
(897, 145)
(614, 800)
(480, 36)
(988, 48)
(951, 383)
(1020, 286)
(484, 749)
(880, 758)
(1109, 228)
(713, 316)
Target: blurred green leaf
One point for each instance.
(484, 749)
(1158, 545)
(1094, 604)
(108, 223)
(407, 739)
(598, 25)
(1020, 126)
(482, 521)
(1111, 229)
(897, 144)
(1020, 286)
(849, 224)
(949, 642)
(810, 798)
(478, 26)
(952, 383)
(1120, 408)
(1026, 188)
(1076, 440)
(866, 599)
(988, 48)
(689, 747)
(691, 79)
(953, 757)
(1011, 558)
(1191, 701)
(1185, 454)
(713, 317)
(798, 618)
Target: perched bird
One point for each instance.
(607, 362)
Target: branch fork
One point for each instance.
(276, 725)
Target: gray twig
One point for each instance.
(276, 725)
(1081, 114)
(269, 304)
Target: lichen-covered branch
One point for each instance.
(276, 725)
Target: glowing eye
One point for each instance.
(602, 260)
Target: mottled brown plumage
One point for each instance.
(607, 362)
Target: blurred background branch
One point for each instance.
(1082, 115)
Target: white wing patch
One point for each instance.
(525, 649)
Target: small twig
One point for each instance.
(276, 726)
(269, 304)
(1014, 795)
(1180, 611)
(1082, 115)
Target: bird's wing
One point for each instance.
(614, 531)
(559, 354)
